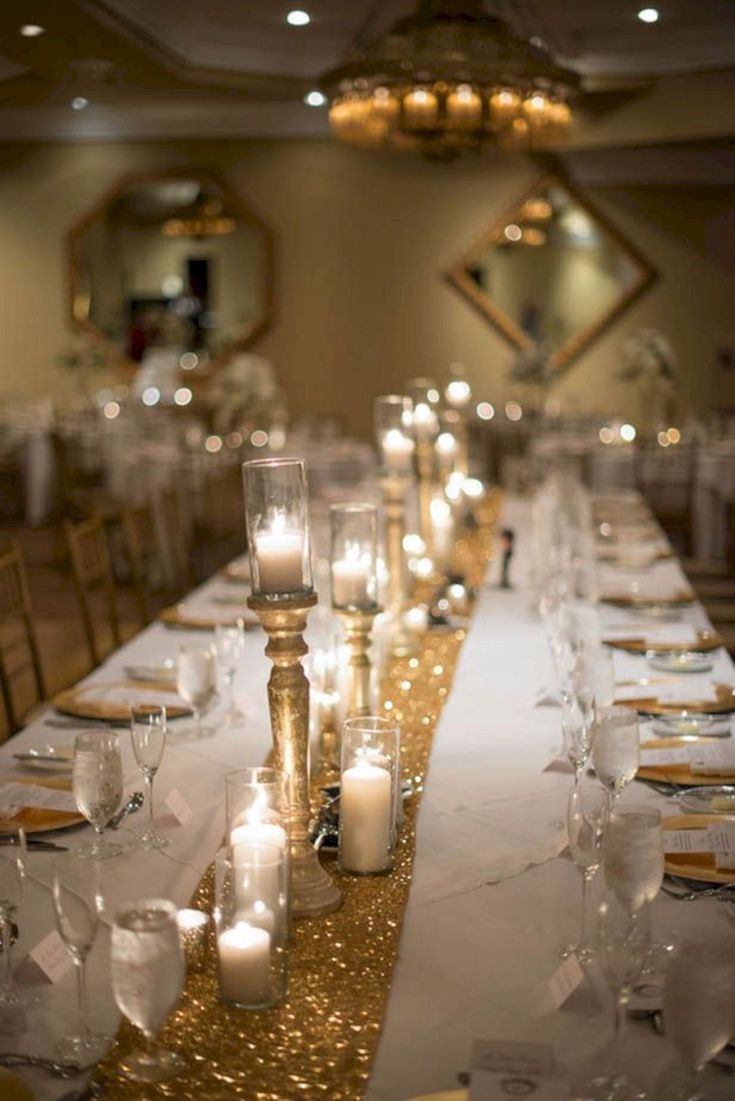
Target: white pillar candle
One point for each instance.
(366, 818)
(398, 449)
(260, 879)
(280, 557)
(351, 580)
(259, 916)
(244, 953)
(250, 834)
(425, 421)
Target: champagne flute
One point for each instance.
(76, 899)
(148, 733)
(699, 1008)
(633, 852)
(576, 726)
(147, 980)
(586, 820)
(229, 645)
(615, 748)
(623, 944)
(97, 783)
(196, 681)
(12, 874)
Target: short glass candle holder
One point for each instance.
(256, 806)
(354, 554)
(194, 927)
(369, 792)
(277, 519)
(251, 922)
(396, 445)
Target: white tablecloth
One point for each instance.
(491, 899)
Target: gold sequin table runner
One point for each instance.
(321, 1042)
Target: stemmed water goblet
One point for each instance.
(229, 646)
(586, 821)
(12, 874)
(623, 945)
(76, 900)
(148, 735)
(615, 748)
(97, 783)
(196, 681)
(633, 854)
(147, 979)
(699, 1010)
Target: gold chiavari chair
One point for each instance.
(143, 553)
(18, 645)
(175, 537)
(92, 568)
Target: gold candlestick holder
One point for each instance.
(358, 627)
(425, 469)
(284, 620)
(395, 486)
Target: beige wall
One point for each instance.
(361, 244)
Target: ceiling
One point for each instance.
(234, 68)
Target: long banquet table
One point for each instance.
(492, 897)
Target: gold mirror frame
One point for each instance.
(458, 275)
(79, 297)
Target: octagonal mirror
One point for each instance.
(552, 272)
(172, 264)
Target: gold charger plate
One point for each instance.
(681, 774)
(706, 642)
(443, 1095)
(695, 865)
(724, 704)
(176, 616)
(640, 600)
(610, 554)
(39, 819)
(72, 701)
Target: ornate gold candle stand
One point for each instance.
(394, 487)
(312, 890)
(358, 627)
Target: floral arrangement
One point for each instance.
(244, 390)
(649, 355)
(533, 366)
(86, 355)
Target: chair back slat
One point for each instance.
(17, 633)
(89, 552)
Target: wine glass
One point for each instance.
(97, 783)
(633, 853)
(147, 980)
(12, 874)
(229, 646)
(615, 748)
(196, 681)
(148, 733)
(623, 944)
(586, 820)
(76, 899)
(699, 1008)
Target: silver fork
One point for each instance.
(59, 1070)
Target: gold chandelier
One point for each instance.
(449, 80)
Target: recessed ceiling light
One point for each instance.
(648, 15)
(31, 30)
(315, 98)
(298, 18)
(79, 103)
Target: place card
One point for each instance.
(13, 794)
(626, 692)
(683, 692)
(510, 1069)
(560, 764)
(179, 807)
(687, 841)
(52, 957)
(712, 760)
(722, 837)
(565, 980)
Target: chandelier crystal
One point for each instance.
(450, 80)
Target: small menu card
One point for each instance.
(508, 1069)
(52, 957)
(713, 759)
